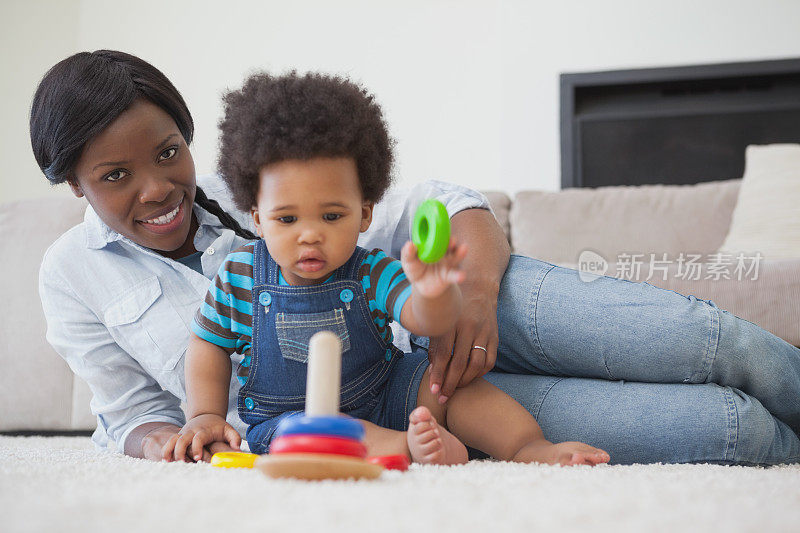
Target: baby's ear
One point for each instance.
(366, 215)
(256, 220)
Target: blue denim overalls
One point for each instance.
(284, 319)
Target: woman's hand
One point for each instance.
(153, 442)
(200, 431)
(455, 361)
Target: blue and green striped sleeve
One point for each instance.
(226, 316)
(385, 284)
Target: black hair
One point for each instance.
(275, 118)
(227, 220)
(84, 93)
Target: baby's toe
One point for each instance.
(419, 415)
(598, 457)
(431, 447)
(424, 435)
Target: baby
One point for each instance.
(309, 156)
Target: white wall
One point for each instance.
(33, 36)
(470, 88)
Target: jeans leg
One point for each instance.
(552, 322)
(652, 423)
(760, 364)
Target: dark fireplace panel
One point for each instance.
(674, 125)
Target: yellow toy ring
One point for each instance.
(233, 459)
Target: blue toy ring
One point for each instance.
(335, 426)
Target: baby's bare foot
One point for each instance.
(563, 453)
(430, 443)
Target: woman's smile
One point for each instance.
(163, 223)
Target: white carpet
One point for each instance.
(62, 484)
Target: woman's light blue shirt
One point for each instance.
(119, 313)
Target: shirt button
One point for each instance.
(388, 355)
(346, 296)
(210, 250)
(249, 403)
(264, 298)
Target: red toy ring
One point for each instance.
(317, 444)
(391, 462)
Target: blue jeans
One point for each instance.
(647, 374)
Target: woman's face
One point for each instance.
(139, 177)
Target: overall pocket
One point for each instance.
(294, 331)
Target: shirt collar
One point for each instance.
(99, 235)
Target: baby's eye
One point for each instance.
(330, 217)
(115, 175)
(169, 153)
(286, 220)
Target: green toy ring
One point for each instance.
(430, 232)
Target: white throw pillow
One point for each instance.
(767, 214)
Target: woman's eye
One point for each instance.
(286, 220)
(115, 175)
(330, 217)
(169, 153)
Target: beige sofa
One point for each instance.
(597, 226)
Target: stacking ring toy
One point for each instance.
(233, 459)
(331, 426)
(430, 232)
(317, 444)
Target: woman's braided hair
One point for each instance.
(213, 207)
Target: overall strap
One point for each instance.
(265, 270)
(350, 269)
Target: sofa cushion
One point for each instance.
(767, 213)
(558, 226)
(36, 391)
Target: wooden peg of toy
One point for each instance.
(323, 380)
(323, 383)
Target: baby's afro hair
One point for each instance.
(275, 118)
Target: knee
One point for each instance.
(741, 353)
(757, 437)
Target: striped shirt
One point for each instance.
(226, 316)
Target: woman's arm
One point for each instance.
(454, 361)
(393, 216)
(487, 257)
(125, 396)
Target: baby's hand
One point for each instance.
(432, 279)
(197, 433)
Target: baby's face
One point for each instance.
(310, 214)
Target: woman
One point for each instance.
(647, 374)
